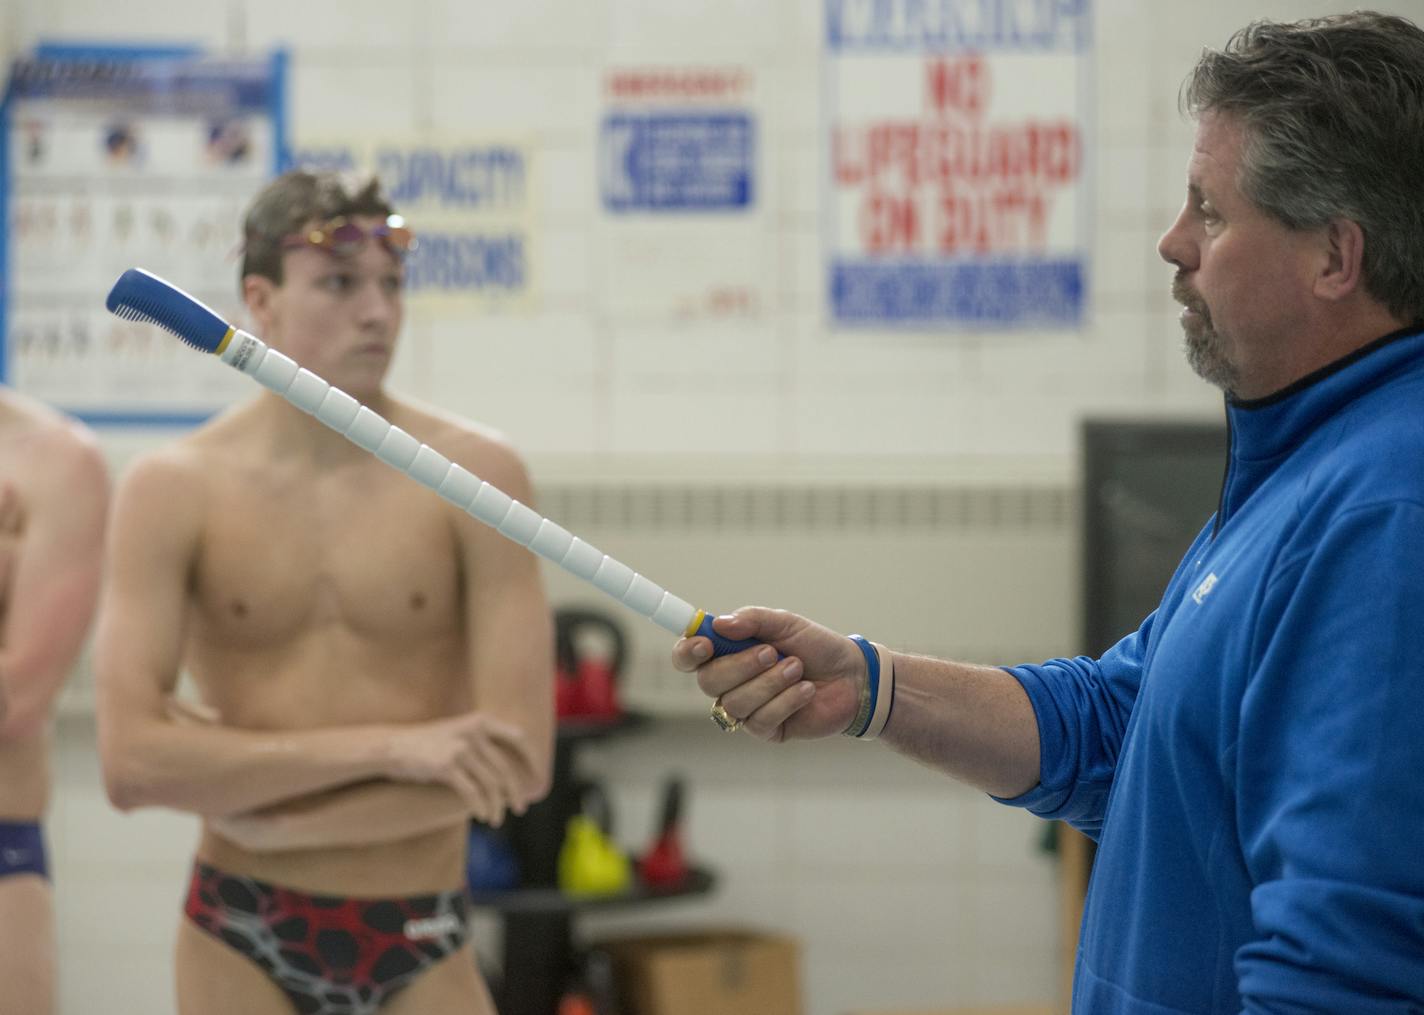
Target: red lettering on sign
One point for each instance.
(952, 180)
(960, 86)
(681, 83)
(889, 223)
(978, 222)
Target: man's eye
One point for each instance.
(393, 283)
(337, 283)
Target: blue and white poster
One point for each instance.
(118, 157)
(471, 202)
(678, 161)
(678, 140)
(956, 147)
(680, 182)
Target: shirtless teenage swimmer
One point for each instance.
(377, 663)
(53, 495)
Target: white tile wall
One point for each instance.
(694, 32)
(342, 27)
(333, 96)
(534, 26)
(162, 22)
(905, 890)
(119, 883)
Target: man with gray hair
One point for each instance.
(1249, 759)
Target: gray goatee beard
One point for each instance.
(1205, 350)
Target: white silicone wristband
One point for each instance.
(885, 699)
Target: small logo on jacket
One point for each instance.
(1204, 589)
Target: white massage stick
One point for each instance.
(141, 296)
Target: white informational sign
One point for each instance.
(956, 153)
(680, 180)
(471, 205)
(116, 158)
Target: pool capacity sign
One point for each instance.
(956, 153)
(471, 205)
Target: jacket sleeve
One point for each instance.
(1082, 707)
(1330, 774)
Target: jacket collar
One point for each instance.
(1266, 428)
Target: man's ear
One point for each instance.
(259, 293)
(1343, 271)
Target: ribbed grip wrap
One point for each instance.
(723, 646)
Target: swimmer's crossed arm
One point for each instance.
(149, 759)
(510, 647)
(355, 815)
(362, 815)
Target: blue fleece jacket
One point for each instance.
(1251, 760)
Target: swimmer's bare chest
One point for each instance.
(326, 597)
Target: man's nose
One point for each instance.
(1175, 246)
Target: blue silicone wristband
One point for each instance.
(872, 668)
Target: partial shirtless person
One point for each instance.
(375, 666)
(54, 493)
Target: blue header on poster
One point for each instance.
(110, 52)
(887, 26)
(184, 84)
(154, 80)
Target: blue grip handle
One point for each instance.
(724, 646)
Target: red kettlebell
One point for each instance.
(590, 649)
(665, 865)
(568, 698)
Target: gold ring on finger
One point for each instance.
(724, 719)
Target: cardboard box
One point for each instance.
(707, 972)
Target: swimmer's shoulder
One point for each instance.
(67, 456)
(484, 450)
(220, 444)
(167, 483)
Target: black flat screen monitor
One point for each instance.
(1148, 488)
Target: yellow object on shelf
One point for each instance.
(589, 863)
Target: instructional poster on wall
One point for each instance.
(471, 205)
(679, 180)
(956, 148)
(116, 158)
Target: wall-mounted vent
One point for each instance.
(642, 508)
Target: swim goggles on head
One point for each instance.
(343, 237)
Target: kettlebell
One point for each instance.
(664, 866)
(588, 681)
(589, 861)
(490, 865)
